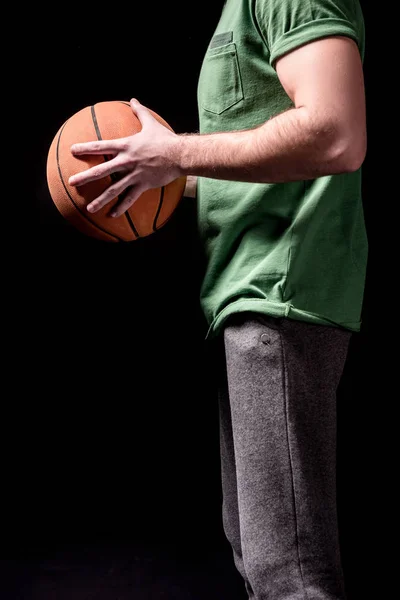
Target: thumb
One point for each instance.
(142, 113)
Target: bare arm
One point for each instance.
(325, 132)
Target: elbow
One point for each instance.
(339, 146)
(353, 156)
(346, 153)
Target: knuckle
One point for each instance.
(112, 192)
(127, 202)
(97, 171)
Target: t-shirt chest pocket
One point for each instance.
(220, 84)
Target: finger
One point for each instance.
(132, 194)
(112, 192)
(98, 147)
(143, 113)
(97, 172)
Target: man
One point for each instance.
(278, 160)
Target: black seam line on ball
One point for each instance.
(160, 203)
(114, 176)
(83, 213)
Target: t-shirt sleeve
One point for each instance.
(287, 24)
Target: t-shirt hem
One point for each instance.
(311, 31)
(272, 309)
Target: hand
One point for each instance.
(143, 161)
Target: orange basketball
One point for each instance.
(104, 120)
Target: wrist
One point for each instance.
(182, 160)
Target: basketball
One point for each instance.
(104, 120)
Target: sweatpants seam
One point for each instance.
(286, 411)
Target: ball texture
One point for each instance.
(105, 120)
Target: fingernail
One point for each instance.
(113, 214)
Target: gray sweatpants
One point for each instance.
(278, 456)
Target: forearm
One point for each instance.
(289, 147)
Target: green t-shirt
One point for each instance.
(295, 249)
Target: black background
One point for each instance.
(114, 417)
